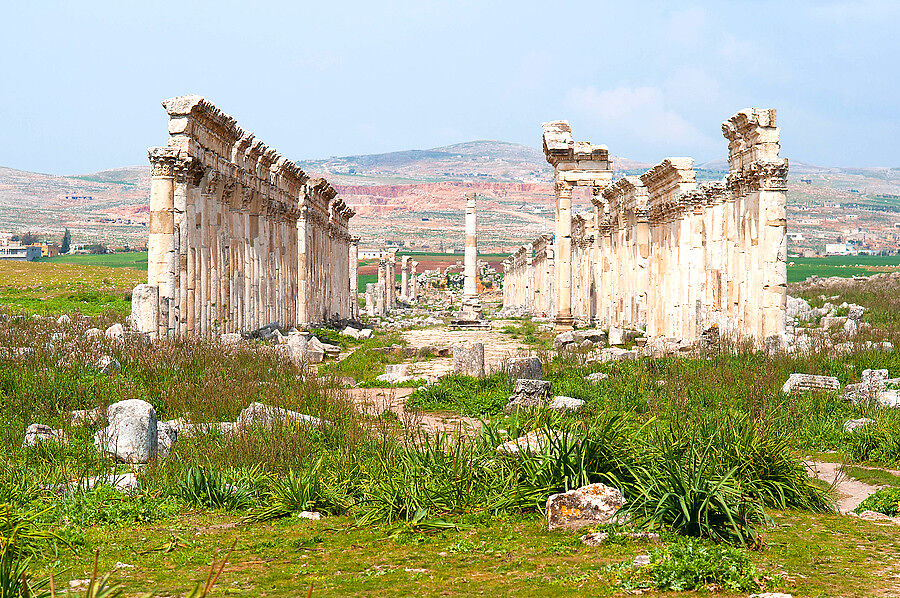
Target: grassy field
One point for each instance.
(43, 288)
(707, 451)
(845, 266)
(132, 259)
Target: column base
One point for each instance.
(564, 323)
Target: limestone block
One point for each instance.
(108, 365)
(596, 539)
(267, 416)
(395, 373)
(529, 444)
(350, 331)
(37, 433)
(82, 417)
(145, 308)
(566, 404)
(231, 338)
(801, 382)
(131, 435)
(798, 309)
(115, 332)
(856, 312)
(468, 359)
(852, 425)
(365, 333)
(64, 320)
(595, 504)
(528, 394)
(523, 367)
(596, 377)
(616, 354)
(166, 435)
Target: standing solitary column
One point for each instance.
(161, 244)
(354, 278)
(564, 254)
(404, 278)
(470, 288)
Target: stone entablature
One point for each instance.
(236, 233)
(669, 254)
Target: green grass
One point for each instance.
(42, 288)
(699, 447)
(130, 259)
(845, 266)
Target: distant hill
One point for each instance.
(413, 195)
(482, 161)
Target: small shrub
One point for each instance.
(207, 488)
(691, 564)
(886, 500)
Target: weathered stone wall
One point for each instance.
(239, 237)
(663, 252)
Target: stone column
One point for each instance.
(470, 286)
(564, 254)
(415, 280)
(162, 260)
(404, 278)
(302, 261)
(354, 278)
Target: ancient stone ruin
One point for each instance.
(239, 236)
(660, 251)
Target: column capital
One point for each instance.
(162, 161)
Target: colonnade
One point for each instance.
(663, 252)
(239, 236)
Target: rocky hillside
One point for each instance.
(417, 196)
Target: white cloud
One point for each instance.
(639, 114)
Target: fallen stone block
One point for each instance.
(529, 444)
(108, 365)
(468, 359)
(350, 331)
(82, 417)
(231, 338)
(523, 367)
(617, 354)
(37, 433)
(596, 377)
(595, 504)
(528, 394)
(596, 539)
(131, 436)
(115, 332)
(565, 404)
(64, 320)
(852, 425)
(395, 373)
(801, 382)
(267, 416)
(166, 435)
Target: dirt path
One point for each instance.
(375, 401)
(497, 347)
(849, 491)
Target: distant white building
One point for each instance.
(796, 237)
(20, 253)
(838, 249)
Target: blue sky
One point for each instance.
(82, 82)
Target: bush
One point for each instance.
(886, 500)
(465, 394)
(690, 564)
(207, 488)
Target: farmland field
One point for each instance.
(844, 266)
(130, 259)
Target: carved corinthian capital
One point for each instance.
(162, 161)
